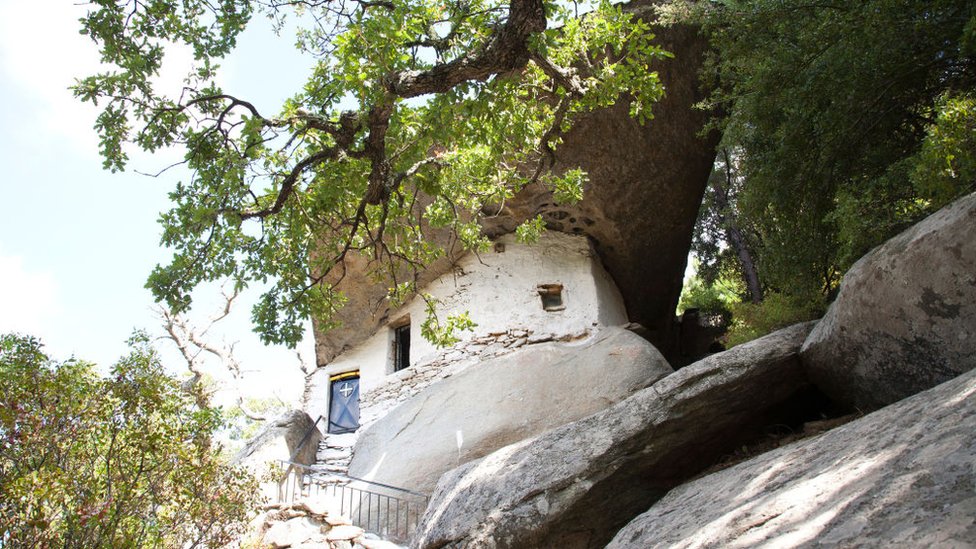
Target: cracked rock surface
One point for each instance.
(903, 476)
(905, 317)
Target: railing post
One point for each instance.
(342, 485)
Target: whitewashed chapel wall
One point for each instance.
(500, 291)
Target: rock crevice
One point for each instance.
(543, 491)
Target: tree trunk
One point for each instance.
(733, 233)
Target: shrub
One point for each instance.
(122, 461)
(945, 168)
(751, 321)
(713, 299)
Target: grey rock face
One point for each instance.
(905, 318)
(576, 485)
(280, 440)
(502, 401)
(904, 476)
(646, 185)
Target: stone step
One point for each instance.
(333, 454)
(329, 468)
(321, 459)
(346, 440)
(335, 468)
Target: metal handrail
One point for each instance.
(313, 469)
(387, 521)
(393, 517)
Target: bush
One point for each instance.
(945, 168)
(710, 299)
(751, 321)
(122, 461)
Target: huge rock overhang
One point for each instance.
(645, 187)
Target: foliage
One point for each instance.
(945, 167)
(531, 230)
(122, 461)
(844, 114)
(723, 240)
(418, 115)
(242, 428)
(716, 297)
(443, 335)
(709, 243)
(751, 320)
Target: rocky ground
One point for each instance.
(903, 476)
(309, 524)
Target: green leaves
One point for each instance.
(618, 50)
(531, 230)
(132, 37)
(829, 104)
(122, 461)
(568, 188)
(443, 335)
(418, 116)
(945, 167)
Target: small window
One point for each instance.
(552, 296)
(401, 347)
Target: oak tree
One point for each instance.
(417, 115)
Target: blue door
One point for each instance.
(344, 403)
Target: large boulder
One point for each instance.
(501, 401)
(577, 485)
(904, 476)
(292, 436)
(905, 318)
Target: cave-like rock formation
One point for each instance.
(646, 184)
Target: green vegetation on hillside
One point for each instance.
(847, 122)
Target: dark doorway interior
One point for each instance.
(401, 347)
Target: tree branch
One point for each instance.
(506, 50)
(288, 184)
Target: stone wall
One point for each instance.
(335, 451)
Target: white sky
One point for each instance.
(77, 242)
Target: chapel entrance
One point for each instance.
(344, 403)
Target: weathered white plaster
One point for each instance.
(499, 291)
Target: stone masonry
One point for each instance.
(335, 451)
